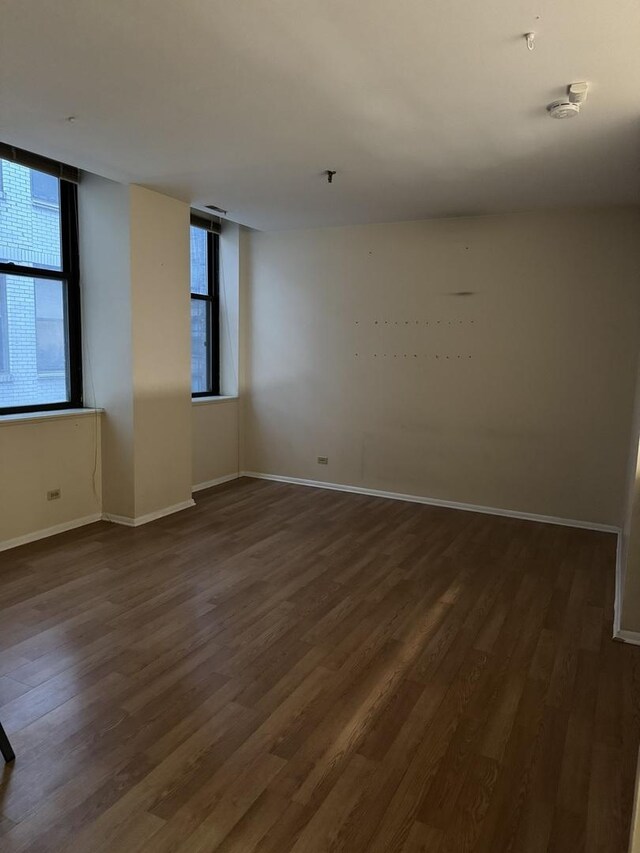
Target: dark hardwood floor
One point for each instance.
(289, 669)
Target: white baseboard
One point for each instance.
(617, 602)
(49, 531)
(631, 637)
(90, 519)
(150, 516)
(396, 496)
(209, 483)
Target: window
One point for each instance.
(4, 338)
(51, 345)
(40, 353)
(205, 312)
(44, 187)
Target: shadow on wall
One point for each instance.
(146, 450)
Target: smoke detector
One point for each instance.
(563, 109)
(569, 106)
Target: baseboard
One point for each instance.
(617, 601)
(631, 637)
(50, 531)
(91, 519)
(396, 496)
(150, 516)
(209, 483)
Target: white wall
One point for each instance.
(628, 580)
(518, 396)
(230, 249)
(105, 282)
(215, 436)
(42, 454)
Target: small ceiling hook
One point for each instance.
(329, 175)
(530, 37)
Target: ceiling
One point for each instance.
(425, 108)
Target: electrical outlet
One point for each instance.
(323, 460)
(53, 495)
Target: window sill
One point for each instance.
(55, 415)
(45, 204)
(207, 401)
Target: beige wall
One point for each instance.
(634, 846)
(134, 245)
(518, 396)
(134, 249)
(39, 455)
(161, 350)
(215, 441)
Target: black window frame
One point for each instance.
(212, 298)
(69, 275)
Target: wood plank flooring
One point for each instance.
(289, 669)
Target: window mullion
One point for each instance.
(32, 272)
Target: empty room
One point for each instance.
(319, 426)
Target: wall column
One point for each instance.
(136, 318)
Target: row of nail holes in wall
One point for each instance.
(408, 355)
(416, 322)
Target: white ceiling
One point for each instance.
(424, 107)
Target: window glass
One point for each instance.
(199, 278)
(29, 233)
(51, 345)
(4, 339)
(199, 353)
(37, 349)
(44, 188)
